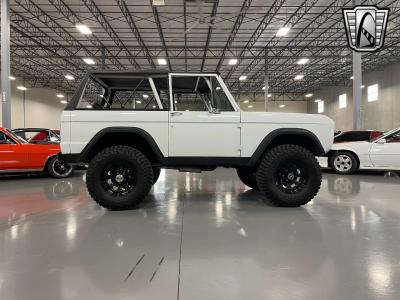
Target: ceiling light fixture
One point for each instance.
(162, 61)
(250, 106)
(139, 102)
(89, 106)
(232, 61)
(12, 78)
(282, 105)
(363, 86)
(303, 61)
(246, 101)
(63, 101)
(352, 77)
(299, 77)
(84, 29)
(145, 96)
(269, 95)
(70, 77)
(309, 95)
(317, 100)
(218, 88)
(60, 95)
(243, 77)
(89, 61)
(22, 88)
(283, 31)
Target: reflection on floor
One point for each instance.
(200, 236)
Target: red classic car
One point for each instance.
(17, 155)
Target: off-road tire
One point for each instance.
(248, 177)
(156, 174)
(135, 162)
(53, 168)
(351, 167)
(291, 160)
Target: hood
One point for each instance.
(285, 118)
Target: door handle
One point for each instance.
(176, 113)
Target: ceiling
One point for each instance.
(192, 36)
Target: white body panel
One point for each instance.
(257, 125)
(85, 124)
(204, 134)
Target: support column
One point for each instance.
(266, 80)
(357, 91)
(5, 63)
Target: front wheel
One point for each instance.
(119, 178)
(289, 175)
(343, 162)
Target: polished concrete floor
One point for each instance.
(200, 236)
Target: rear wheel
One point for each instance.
(119, 178)
(248, 177)
(343, 162)
(289, 175)
(58, 168)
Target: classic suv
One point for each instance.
(381, 153)
(128, 125)
(17, 155)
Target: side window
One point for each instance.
(394, 138)
(199, 93)
(130, 93)
(191, 93)
(220, 99)
(92, 96)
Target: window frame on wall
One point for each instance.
(343, 100)
(373, 96)
(321, 106)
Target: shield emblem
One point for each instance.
(365, 27)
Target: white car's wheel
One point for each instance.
(343, 162)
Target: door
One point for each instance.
(203, 121)
(12, 156)
(385, 153)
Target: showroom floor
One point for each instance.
(204, 233)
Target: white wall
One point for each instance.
(42, 107)
(383, 114)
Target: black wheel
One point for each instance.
(248, 177)
(119, 178)
(59, 168)
(289, 175)
(343, 162)
(156, 174)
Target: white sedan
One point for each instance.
(382, 153)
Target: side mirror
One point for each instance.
(381, 142)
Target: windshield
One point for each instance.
(16, 137)
(384, 134)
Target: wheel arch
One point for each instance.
(295, 136)
(124, 136)
(48, 160)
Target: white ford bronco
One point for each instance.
(129, 125)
